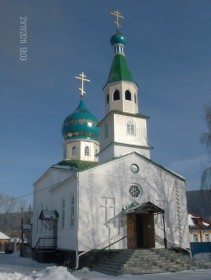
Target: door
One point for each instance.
(140, 231)
(131, 231)
(145, 232)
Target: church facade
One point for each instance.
(107, 192)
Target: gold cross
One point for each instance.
(118, 15)
(82, 78)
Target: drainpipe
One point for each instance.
(164, 230)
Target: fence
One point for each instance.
(200, 247)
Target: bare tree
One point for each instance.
(8, 206)
(10, 209)
(22, 205)
(206, 136)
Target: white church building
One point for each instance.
(107, 191)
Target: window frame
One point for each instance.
(195, 237)
(116, 95)
(128, 95)
(106, 130)
(206, 237)
(87, 151)
(131, 128)
(74, 151)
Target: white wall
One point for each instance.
(43, 199)
(111, 182)
(66, 232)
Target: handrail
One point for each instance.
(83, 253)
(37, 246)
(44, 238)
(172, 245)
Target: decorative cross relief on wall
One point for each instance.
(108, 206)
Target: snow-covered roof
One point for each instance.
(196, 222)
(49, 215)
(4, 236)
(18, 240)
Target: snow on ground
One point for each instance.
(13, 267)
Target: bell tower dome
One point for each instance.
(121, 93)
(123, 129)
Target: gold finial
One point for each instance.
(118, 15)
(82, 78)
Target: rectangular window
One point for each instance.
(195, 238)
(87, 151)
(73, 151)
(207, 237)
(131, 128)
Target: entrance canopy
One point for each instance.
(144, 208)
(49, 215)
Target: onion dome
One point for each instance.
(118, 38)
(81, 124)
(119, 70)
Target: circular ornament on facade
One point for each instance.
(134, 191)
(134, 168)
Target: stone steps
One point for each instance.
(147, 261)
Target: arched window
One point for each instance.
(116, 95)
(37, 220)
(72, 210)
(107, 98)
(135, 98)
(87, 151)
(128, 95)
(131, 128)
(63, 213)
(73, 151)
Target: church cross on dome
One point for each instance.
(118, 15)
(83, 79)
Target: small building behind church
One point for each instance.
(200, 229)
(3, 239)
(107, 191)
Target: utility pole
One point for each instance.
(22, 240)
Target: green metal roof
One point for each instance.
(82, 165)
(79, 164)
(119, 70)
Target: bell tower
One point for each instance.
(123, 129)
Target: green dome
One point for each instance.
(118, 38)
(81, 124)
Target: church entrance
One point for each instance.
(140, 231)
(140, 226)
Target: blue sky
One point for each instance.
(168, 52)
